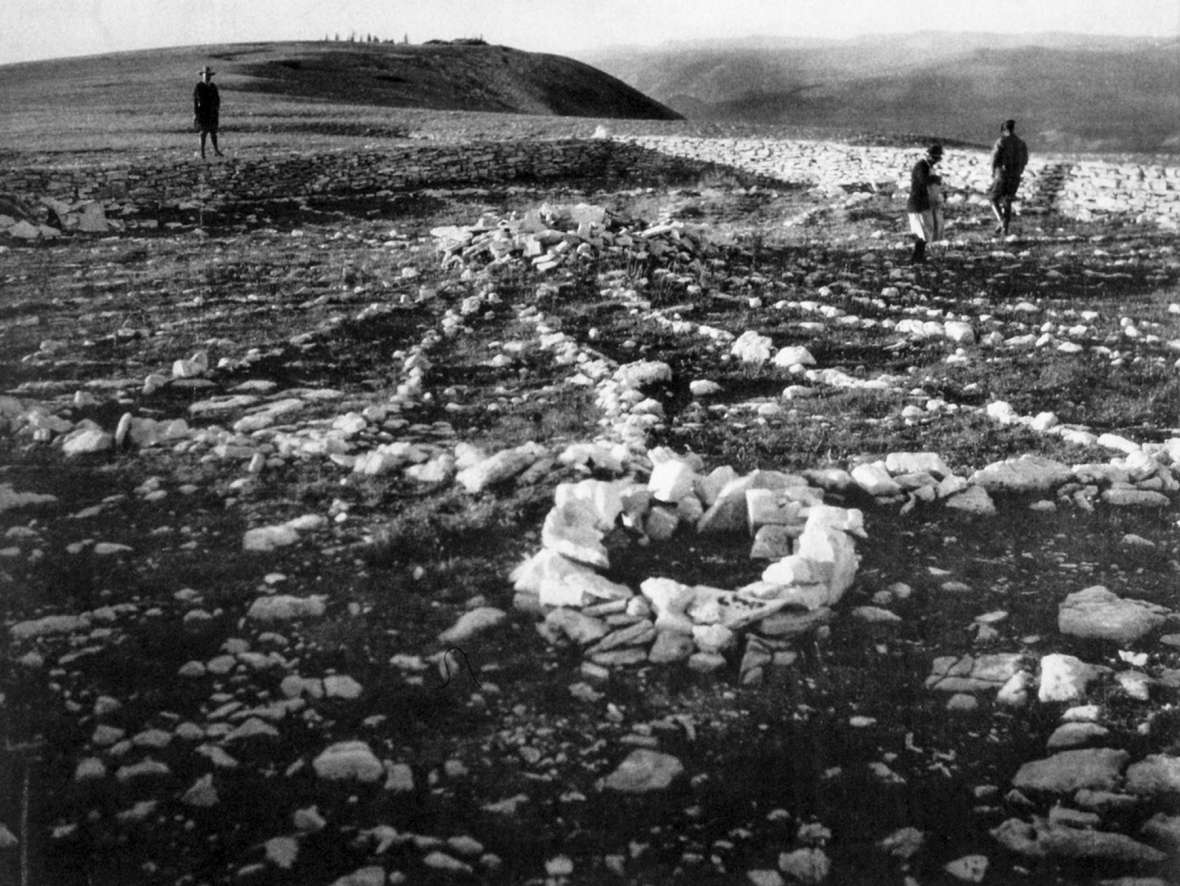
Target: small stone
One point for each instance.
(706, 663)
(467, 846)
(269, 538)
(671, 646)
(440, 861)
(90, 769)
(577, 626)
(202, 794)
(282, 852)
(904, 843)
(875, 480)
(765, 877)
(1163, 830)
(348, 760)
(559, 866)
(809, 866)
(342, 686)
(1015, 692)
(148, 768)
(399, 778)
(1064, 678)
(703, 388)
(372, 875)
(961, 703)
(972, 500)
(968, 869)
(643, 771)
(1074, 735)
(309, 820)
(1156, 774)
(282, 607)
(474, 622)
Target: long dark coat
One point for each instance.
(206, 106)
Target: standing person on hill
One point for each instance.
(924, 203)
(206, 108)
(1009, 157)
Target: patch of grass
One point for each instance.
(452, 523)
(1086, 389)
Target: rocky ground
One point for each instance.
(578, 534)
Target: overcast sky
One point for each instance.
(34, 29)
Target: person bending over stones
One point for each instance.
(924, 203)
(206, 109)
(1009, 157)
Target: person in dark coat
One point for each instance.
(921, 205)
(206, 109)
(1009, 157)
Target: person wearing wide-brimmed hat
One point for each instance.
(206, 108)
(924, 204)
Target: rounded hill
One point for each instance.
(445, 76)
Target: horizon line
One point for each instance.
(688, 41)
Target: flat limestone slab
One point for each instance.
(1099, 614)
(1094, 768)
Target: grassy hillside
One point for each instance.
(1070, 93)
(144, 99)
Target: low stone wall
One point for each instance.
(1077, 188)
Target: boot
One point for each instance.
(919, 254)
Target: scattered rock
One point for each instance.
(1094, 768)
(1064, 678)
(643, 771)
(348, 760)
(476, 621)
(1098, 614)
(283, 607)
(968, 869)
(809, 865)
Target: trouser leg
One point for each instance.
(216, 150)
(998, 212)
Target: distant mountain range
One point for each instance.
(1068, 92)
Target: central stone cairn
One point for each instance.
(809, 545)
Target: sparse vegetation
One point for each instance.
(332, 296)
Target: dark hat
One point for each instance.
(935, 150)
(207, 70)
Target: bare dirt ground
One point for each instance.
(161, 725)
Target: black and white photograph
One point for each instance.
(550, 443)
